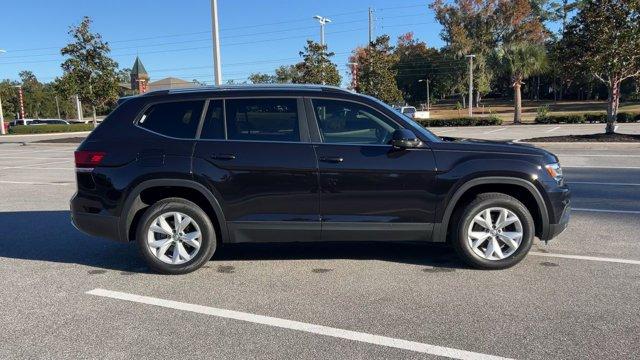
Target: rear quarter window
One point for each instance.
(177, 119)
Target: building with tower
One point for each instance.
(139, 77)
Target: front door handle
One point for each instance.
(331, 159)
(223, 157)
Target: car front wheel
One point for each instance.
(494, 231)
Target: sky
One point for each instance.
(173, 38)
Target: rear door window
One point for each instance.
(263, 119)
(177, 119)
(213, 127)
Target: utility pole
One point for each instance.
(370, 26)
(21, 98)
(1, 113)
(58, 107)
(428, 95)
(217, 67)
(470, 57)
(79, 108)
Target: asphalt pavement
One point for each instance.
(69, 295)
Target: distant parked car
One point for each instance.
(53, 122)
(413, 113)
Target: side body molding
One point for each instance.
(133, 203)
(440, 229)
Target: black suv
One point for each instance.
(182, 171)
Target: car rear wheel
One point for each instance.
(494, 231)
(175, 236)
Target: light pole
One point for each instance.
(2, 131)
(428, 95)
(470, 57)
(217, 67)
(322, 21)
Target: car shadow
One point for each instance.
(50, 236)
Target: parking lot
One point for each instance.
(69, 295)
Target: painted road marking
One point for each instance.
(29, 166)
(600, 183)
(607, 211)
(599, 167)
(554, 129)
(296, 325)
(34, 183)
(598, 155)
(493, 131)
(588, 258)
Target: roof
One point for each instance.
(251, 87)
(170, 83)
(138, 68)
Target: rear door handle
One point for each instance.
(331, 159)
(223, 157)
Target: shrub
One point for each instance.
(542, 111)
(462, 121)
(561, 119)
(44, 129)
(626, 117)
(595, 118)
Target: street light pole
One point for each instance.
(470, 57)
(322, 21)
(217, 67)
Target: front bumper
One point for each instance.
(555, 229)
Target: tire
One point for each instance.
(488, 254)
(153, 242)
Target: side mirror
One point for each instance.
(405, 139)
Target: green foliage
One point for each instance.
(627, 117)
(595, 117)
(542, 111)
(462, 121)
(562, 119)
(260, 78)
(88, 70)
(375, 71)
(45, 129)
(316, 67)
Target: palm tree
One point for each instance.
(522, 60)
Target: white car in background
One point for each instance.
(413, 113)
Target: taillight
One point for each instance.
(88, 159)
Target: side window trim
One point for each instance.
(315, 126)
(203, 117)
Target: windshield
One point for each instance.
(414, 125)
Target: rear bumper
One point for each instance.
(100, 225)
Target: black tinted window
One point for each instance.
(213, 127)
(262, 119)
(348, 122)
(176, 119)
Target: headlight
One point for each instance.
(555, 171)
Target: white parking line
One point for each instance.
(496, 130)
(444, 131)
(29, 166)
(607, 211)
(600, 183)
(34, 183)
(588, 258)
(599, 167)
(554, 129)
(296, 325)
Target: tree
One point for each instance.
(522, 60)
(316, 66)
(88, 69)
(604, 40)
(469, 27)
(260, 78)
(375, 72)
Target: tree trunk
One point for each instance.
(517, 99)
(95, 120)
(477, 98)
(613, 104)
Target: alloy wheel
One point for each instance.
(174, 238)
(495, 233)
